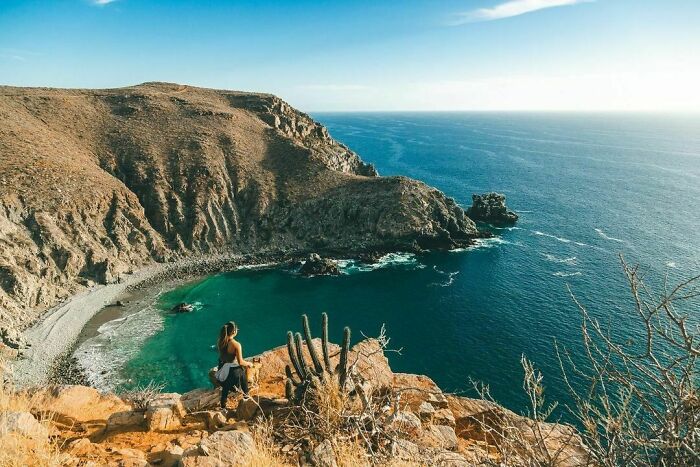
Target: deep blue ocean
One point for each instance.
(587, 187)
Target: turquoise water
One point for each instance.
(587, 187)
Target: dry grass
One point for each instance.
(266, 454)
(17, 450)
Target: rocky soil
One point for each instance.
(428, 427)
(98, 183)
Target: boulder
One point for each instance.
(22, 423)
(491, 208)
(405, 450)
(200, 399)
(127, 418)
(323, 455)
(317, 266)
(165, 412)
(214, 419)
(441, 436)
(80, 447)
(426, 411)
(80, 403)
(407, 423)
(372, 365)
(444, 417)
(247, 408)
(450, 459)
(169, 456)
(223, 448)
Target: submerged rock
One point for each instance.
(491, 208)
(317, 266)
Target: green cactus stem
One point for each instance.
(324, 342)
(310, 345)
(343, 365)
(293, 356)
(300, 355)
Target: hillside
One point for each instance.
(97, 183)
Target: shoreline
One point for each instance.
(54, 336)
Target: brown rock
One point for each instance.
(407, 423)
(128, 418)
(323, 455)
(223, 448)
(441, 436)
(200, 399)
(247, 409)
(80, 403)
(444, 417)
(22, 423)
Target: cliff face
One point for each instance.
(97, 182)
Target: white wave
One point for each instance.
(542, 234)
(520, 210)
(109, 325)
(602, 234)
(566, 274)
(555, 259)
(104, 356)
(671, 264)
(450, 278)
(350, 266)
(255, 266)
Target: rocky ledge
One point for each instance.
(95, 184)
(491, 208)
(424, 426)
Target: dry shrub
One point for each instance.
(350, 454)
(17, 450)
(141, 396)
(266, 453)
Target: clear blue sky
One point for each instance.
(370, 55)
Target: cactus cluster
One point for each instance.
(303, 375)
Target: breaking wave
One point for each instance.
(566, 274)
(555, 259)
(118, 341)
(448, 282)
(352, 266)
(607, 237)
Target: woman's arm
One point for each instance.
(239, 355)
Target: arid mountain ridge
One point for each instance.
(95, 183)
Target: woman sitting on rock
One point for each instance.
(231, 372)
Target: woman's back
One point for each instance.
(227, 351)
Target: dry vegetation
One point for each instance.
(33, 447)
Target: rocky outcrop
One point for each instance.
(97, 183)
(427, 426)
(317, 266)
(491, 208)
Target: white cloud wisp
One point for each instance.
(510, 9)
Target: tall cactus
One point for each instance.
(343, 365)
(310, 345)
(306, 376)
(324, 341)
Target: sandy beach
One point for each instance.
(57, 331)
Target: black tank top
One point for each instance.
(226, 356)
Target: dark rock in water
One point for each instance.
(182, 308)
(317, 266)
(370, 257)
(491, 208)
